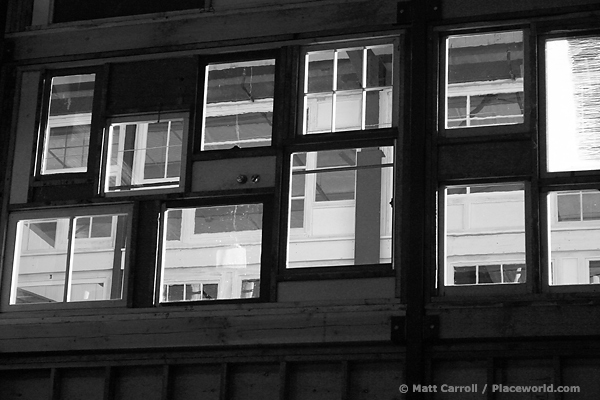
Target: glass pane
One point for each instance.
(485, 231)
(40, 261)
(345, 217)
(348, 89)
(239, 105)
(348, 111)
(484, 74)
(569, 207)
(349, 69)
(591, 206)
(319, 78)
(68, 127)
(101, 261)
(465, 275)
(380, 66)
(377, 109)
(572, 90)
(574, 237)
(211, 259)
(145, 154)
(93, 270)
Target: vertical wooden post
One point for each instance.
(417, 130)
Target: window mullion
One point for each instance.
(69, 267)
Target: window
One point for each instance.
(483, 80)
(348, 88)
(571, 162)
(345, 211)
(574, 221)
(238, 104)
(68, 116)
(200, 152)
(571, 91)
(68, 255)
(146, 154)
(341, 195)
(484, 235)
(217, 255)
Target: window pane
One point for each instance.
(345, 217)
(348, 89)
(574, 237)
(484, 74)
(67, 135)
(572, 92)
(217, 249)
(51, 267)
(238, 108)
(484, 234)
(145, 154)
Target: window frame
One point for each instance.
(476, 290)
(493, 132)
(266, 257)
(298, 142)
(95, 138)
(151, 189)
(558, 181)
(395, 39)
(197, 153)
(9, 278)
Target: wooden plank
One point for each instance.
(472, 8)
(202, 29)
(526, 321)
(24, 142)
(180, 329)
(485, 160)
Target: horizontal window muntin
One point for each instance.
(348, 86)
(238, 104)
(571, 91)
(67, 126)
(483, 81)
(70, 256)
(483, 235)
(339, 208)
(145, 152)
(208, 252)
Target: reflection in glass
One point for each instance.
(145, 154)
(574, 234)
(69, 259)
(572, 97)
(348, 89)
(238, 108)
(67, 137)
(484, 79)
(340, 211)
(484, 234)
(210, 252)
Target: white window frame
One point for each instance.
(388, 96)
(61, 122)
(141, 122)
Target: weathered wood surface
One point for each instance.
(517, 321)
(197, 30)
(188, 327)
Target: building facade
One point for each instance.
(299, 199)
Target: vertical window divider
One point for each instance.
(335, 89)
(69, 262)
